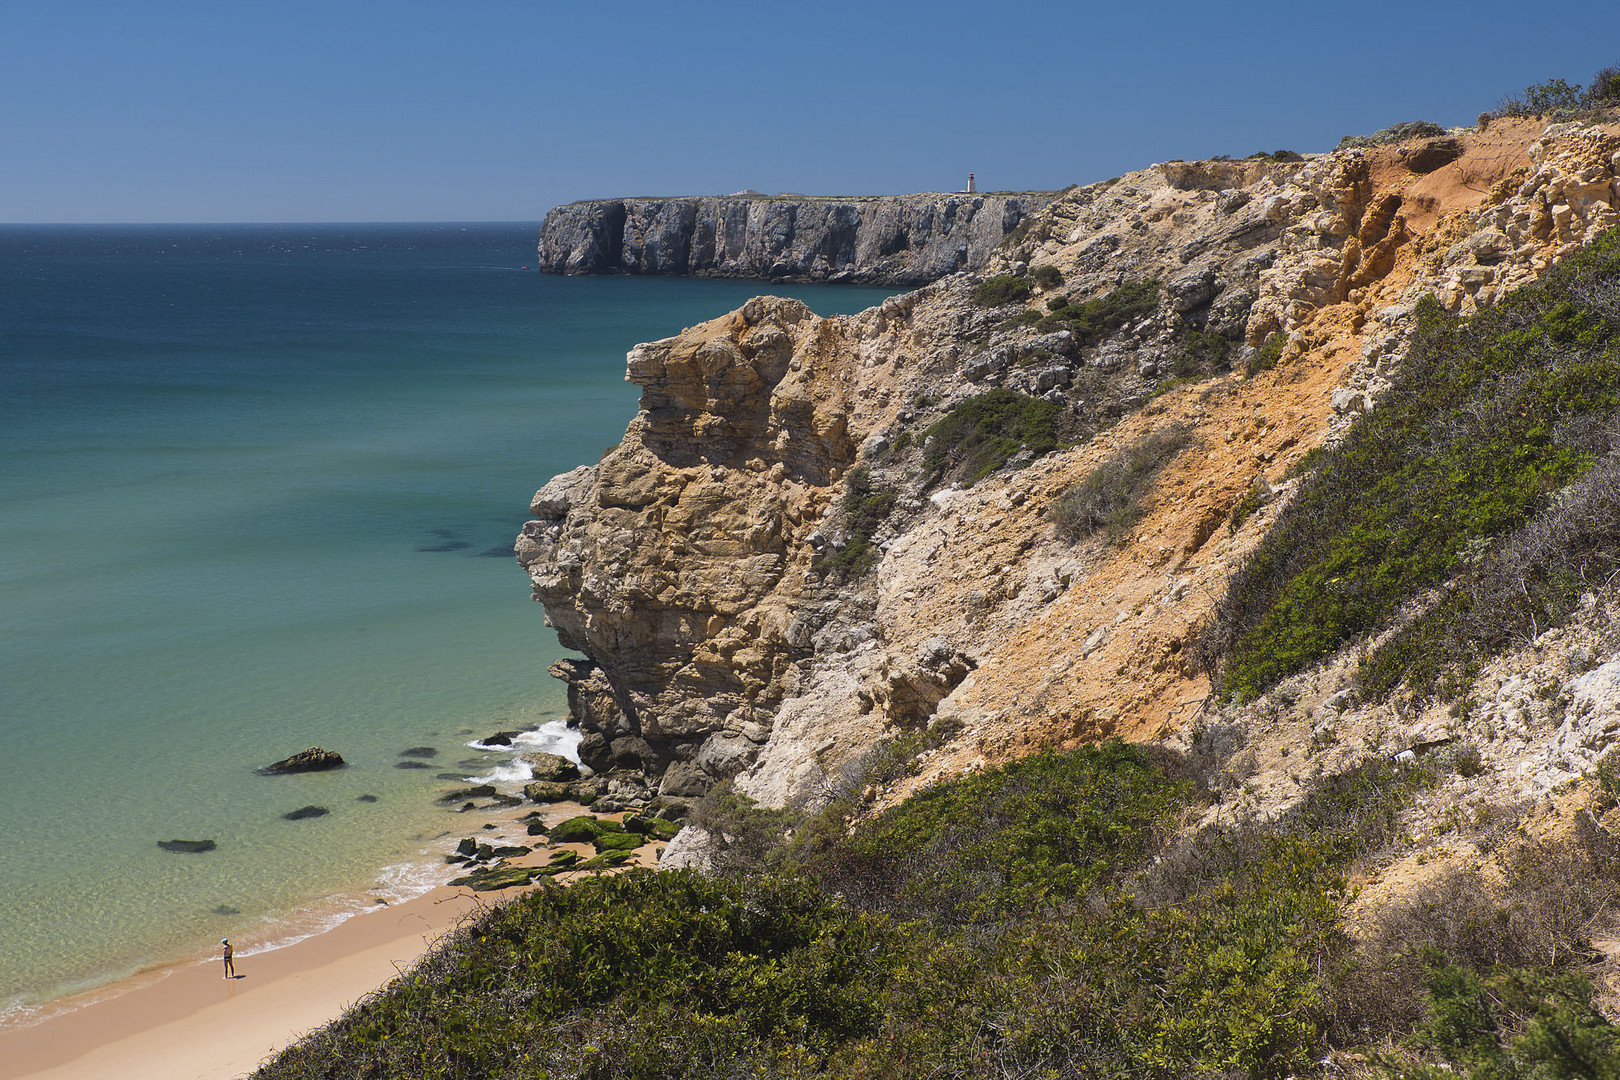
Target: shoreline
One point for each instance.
(183, 1020)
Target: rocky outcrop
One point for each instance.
(695, 566)
(888, 239)
(315, 759)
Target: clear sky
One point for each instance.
(249, 110)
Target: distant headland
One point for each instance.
(875, 239)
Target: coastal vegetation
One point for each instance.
(981, 434)
(866, 505)
(1111, 497)
(1464, 479)
(1045, 918)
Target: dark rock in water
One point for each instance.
(412, 765)
(500, 738)
(468, 848)
(452, 776)
(505, 551)
(480, 791)
(225, 909)
(306, 812)
(187, 847)
(312, 760)
(448, 545)
(489, 826)
(419, 751)
(538, 828)
(506, 800)
(365, 798)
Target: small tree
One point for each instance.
(1604, 89)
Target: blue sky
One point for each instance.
(498, 110)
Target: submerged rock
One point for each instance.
(315, 759)
(304, 812)
(478, 791)
(419, 751)
(187, 847)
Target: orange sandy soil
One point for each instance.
(185, 1021)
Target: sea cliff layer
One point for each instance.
(884, 240)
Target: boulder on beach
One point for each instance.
(547, 791)
(187, 847)
(306, 812)
(550, 767)
(314, 759)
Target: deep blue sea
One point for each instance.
(258, 489)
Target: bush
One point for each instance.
(1551, 97)
(1498, 405)
(1109, 500)
(1275, 155)
(1411, 129)
(980, 434)
(1266, 355)
(1095, 319)
(1001, 289)
(866, 507)
(1047, 276)
(1603, 90)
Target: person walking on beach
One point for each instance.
(226, 952)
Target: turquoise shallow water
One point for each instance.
(258, 486)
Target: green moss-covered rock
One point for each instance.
(618, 841)
(577, 830)
(498, 877)
(655, 828)
(608, 860)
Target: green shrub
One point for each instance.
(981, 433)
(1110, 499)
(1201, 352)
(1411, 129)
(1001, 289)
(865, 506)
(1603, 90)
(1095, 319)
(1484, 426)
(1047, 276)
(1552, 96)
(1265, 356)
(1276, 155)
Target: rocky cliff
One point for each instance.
(888, 240)
(707, 567)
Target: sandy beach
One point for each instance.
(185, 1021)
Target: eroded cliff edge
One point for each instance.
(697, 565)
(881, 240)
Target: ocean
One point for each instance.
(258, 490)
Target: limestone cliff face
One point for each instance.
(891, 239)
(692, 566)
